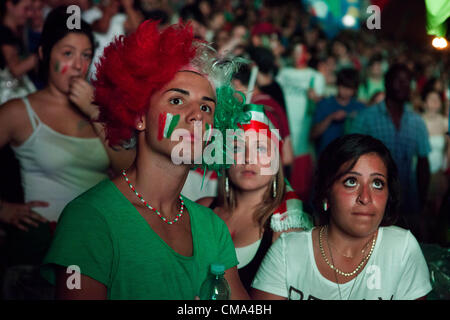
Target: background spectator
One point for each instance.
(334, 114)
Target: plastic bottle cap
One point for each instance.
(217, 269)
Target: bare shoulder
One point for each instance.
(14, 121)
(12, 107)
(12, 113)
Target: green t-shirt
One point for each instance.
(105, 236)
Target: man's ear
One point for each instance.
(140, 123)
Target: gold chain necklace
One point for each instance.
(335, 275)
(345, 274)
(346, 255)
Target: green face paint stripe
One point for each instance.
(208, 127)
(56, 68)
(173, 124)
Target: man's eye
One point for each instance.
(176, 101)
(350, 182)
(205, 108)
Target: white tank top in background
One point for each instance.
(56, 168)
(437, 154)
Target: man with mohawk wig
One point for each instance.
(136, 236)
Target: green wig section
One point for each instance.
(228, 115)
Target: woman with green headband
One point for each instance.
(254, 199)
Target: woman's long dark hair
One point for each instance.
(55, 28)
(345, 151)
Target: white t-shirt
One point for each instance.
(397, 270)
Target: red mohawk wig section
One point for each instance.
(133, 68)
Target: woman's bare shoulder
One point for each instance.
(12, 112)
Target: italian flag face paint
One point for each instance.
(167, 123)
(62, 70)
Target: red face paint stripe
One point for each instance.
(64, 69)
(161, 124)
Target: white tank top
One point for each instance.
(246, 254)
(56, 168)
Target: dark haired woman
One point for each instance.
(256, 203)
(61, 153)
(357, 253)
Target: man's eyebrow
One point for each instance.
(178, 90)
(209, 99)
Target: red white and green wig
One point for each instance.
(134, 67)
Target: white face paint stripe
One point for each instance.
(169, 118)
(258, 116)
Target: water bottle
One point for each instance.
(215, 287)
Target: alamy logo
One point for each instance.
(74, 21)
(374, 21)
(74, 280)
(374, 277)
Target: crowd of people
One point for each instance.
(85, 134)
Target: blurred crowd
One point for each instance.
(319, 83)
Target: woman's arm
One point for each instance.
(134, 17)
(256, 294)
(12, 131)
(89, 288)
(238, 291)
(10, 116)
(21, 215)
(81, 94)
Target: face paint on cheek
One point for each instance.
(56, 67)
(60, 69)
(166, 124)
(64, 69)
